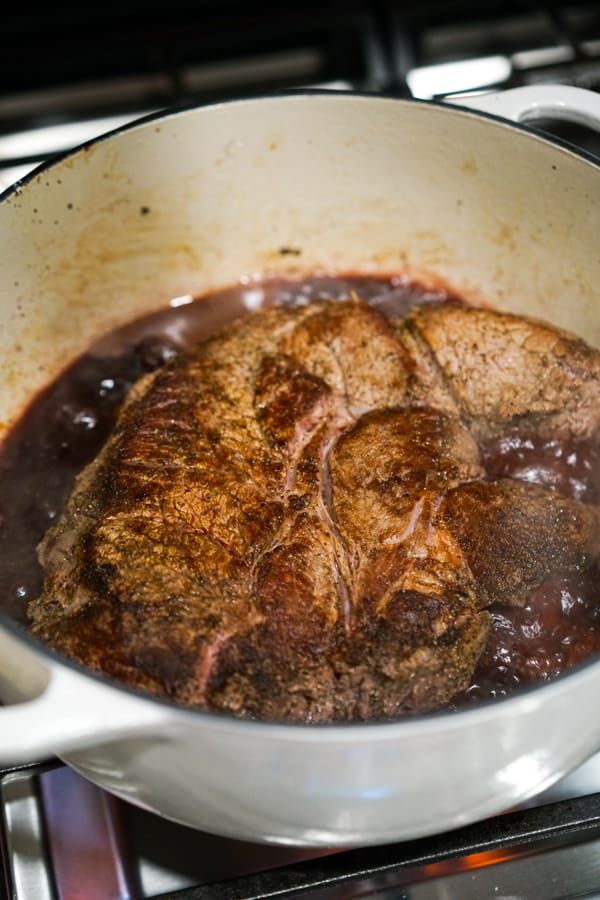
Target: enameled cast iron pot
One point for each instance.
(182, 203)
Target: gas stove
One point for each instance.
(74, 71)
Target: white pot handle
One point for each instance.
(543, 101)
(64, 710)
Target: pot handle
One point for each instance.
(58, 709)
(541, 101)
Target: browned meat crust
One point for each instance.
(292, 520)
(501, 369)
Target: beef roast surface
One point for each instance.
(292, 520)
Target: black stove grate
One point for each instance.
(90, 59)
(370, 870)
(68, 43)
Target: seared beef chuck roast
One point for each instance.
(292, 520)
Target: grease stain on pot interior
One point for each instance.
(505, 236)
(118, 244)
(432, 249)
(469, 166)
(388, 260)
(378, 204)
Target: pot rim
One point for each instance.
(166, 113)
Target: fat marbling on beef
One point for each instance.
(292, 519)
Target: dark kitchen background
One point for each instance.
(69, 71)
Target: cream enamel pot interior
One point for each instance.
(193, 200)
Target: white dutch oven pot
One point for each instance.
(353, 183)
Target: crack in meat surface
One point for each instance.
(292, 520)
